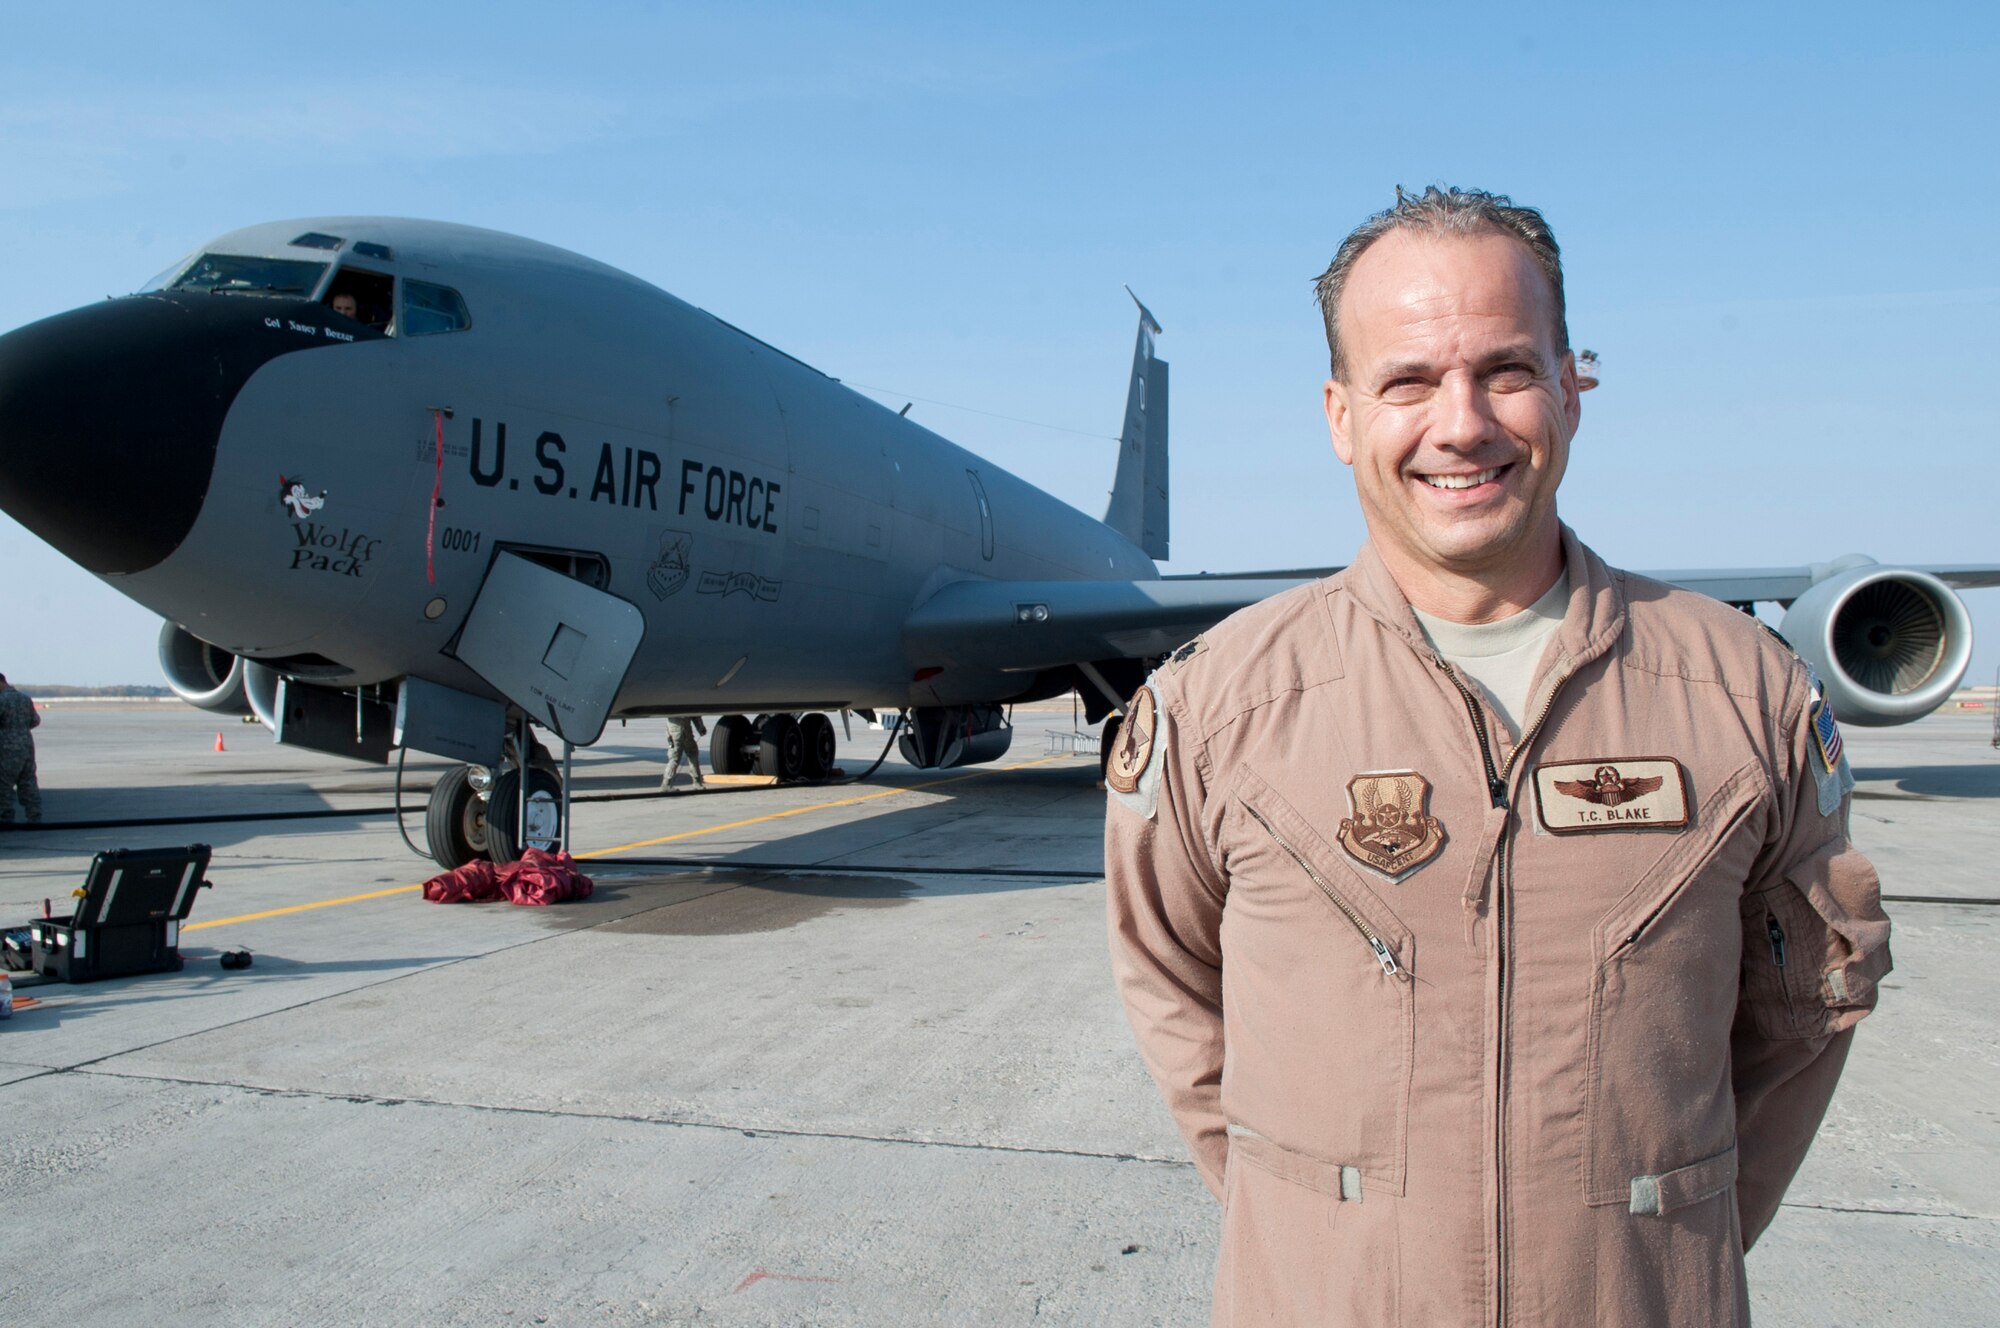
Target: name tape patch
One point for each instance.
(1611, 793)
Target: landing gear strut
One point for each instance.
(543, 828)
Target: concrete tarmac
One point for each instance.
(884, 1083)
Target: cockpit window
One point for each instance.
(366, 297)
(429, 309)
(318, 240)
(230, 274)
(166, 275)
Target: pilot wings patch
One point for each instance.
(1612, 793)
(1607, 788)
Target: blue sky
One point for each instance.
(1779, 228)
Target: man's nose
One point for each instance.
(1461, 415)
(110, 415)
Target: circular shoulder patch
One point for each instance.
(1135, 743)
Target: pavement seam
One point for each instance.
(630, 1118)
(1890, 1212)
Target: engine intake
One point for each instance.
(1889, 643)
(202, 675)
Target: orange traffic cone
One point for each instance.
(218, 741)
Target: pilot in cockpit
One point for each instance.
(344, 305)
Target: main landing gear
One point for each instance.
(787, 747)
(475, 812)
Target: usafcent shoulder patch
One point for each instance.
(1132, 773)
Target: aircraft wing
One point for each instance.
(1024, 625)
(1743, 585)
(1027, 625)
(1735, 585)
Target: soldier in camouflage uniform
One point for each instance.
(17, 754)
(683, 744)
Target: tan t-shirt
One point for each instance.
(1500, 657)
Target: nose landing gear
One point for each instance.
(475, 814)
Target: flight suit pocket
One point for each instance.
(1298, 1244)
(1318, 992)
(1814, 947)
(1662, 1001)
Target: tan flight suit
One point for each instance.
(1538, 1037)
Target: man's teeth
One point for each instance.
(1461, 481)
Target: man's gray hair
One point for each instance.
(1440, 212)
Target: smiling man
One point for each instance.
(1485, 914)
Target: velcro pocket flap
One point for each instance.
(1328, 1178)
(1653, 1196)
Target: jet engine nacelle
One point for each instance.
(1889, 643)
(940, 737)
(201, 674)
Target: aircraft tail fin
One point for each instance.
(1138, 509)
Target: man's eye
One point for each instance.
(1509, 377)
(1401, 389)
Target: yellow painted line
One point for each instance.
(624, 848)
(302, 908)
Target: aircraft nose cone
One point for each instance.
(109, 418)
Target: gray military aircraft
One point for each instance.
(405, 484)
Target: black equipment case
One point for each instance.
(129, 918)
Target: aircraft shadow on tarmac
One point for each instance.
(965, 845)
(1936, 781)
(744, 903)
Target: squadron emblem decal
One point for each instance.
(1135, 743)
(1612, 793)
(1390, 833)
(670, 570)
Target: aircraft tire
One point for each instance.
(503, 844)
(817, 730)
(728, 743)
(781, 748)
(455, 820)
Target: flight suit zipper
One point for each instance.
(1497, 786)
(1774, 933)
(1383, 955)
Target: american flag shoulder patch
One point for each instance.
(1826, 734)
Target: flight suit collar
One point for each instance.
(1593, 621)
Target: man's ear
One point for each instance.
(1572, 391)
(1338, 419)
